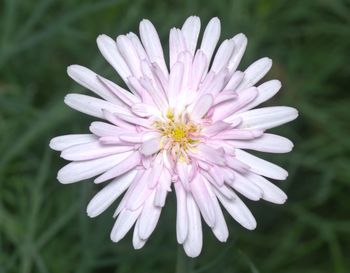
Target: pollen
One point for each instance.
(180, 134)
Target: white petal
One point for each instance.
(130, 55)
(223, 55)
(190, 30)
(234, 81)
(194, 241)
(227, 108)
(175, 83)
(63, 142)
(118, 122)
(202, 106)
(139, 191)
(155, 94)
(211, 37)
(105, 197)
(238, 210)
(261, 166)
(128, 162)
(255, 72)
(109, 50)
(176, 45)
(92, 150)
(202, 198)
(89, 80)
(149, 218)
(220, 229)
(181, 213)
(145, 110)
(150, 147)
(186, 59)
(246, 188)
(135, 120)
(105, 129)
(266, 143)
(271, 192)
(76, 171)
(137, 242)
(123, 224)
(160, 197)
(210, 154)
(92, 106)
(199, 66)
(215, 84)
(125, 96)
(240, 41)
(215, 128)
(267, 117)
(137, 46)
(123, 203)
(265, 91)
(152, 45)
(183, 171)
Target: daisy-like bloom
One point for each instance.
(183, 128)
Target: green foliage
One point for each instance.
(43, 225)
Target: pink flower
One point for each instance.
(186, 129)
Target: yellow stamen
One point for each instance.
(177, 134)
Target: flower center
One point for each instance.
(180, 134)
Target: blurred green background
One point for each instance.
(43, 225)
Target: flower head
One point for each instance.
(185, 129)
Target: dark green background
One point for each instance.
(43, 225)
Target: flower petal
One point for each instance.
(202, 198)
(223, 56)
(129, 55)
(130, 160)
(246, 188)
(149, 217)
(137, 242)
(152, 45)
(266, 118)
(63, 142)
(92, 150)
(211, 37)
(92, 106)
(255, 72)
(81, 170)
(89, 80)
(271, 192)
(261, 166)
(266, 143)
(238, 210)
(150, 146)
(240, 41)
(105, 197)
(265, 91)
(109, 50)
(202, 106)
(194, 241)
(220, 229)
(175, 83)
(123, 224)
(176, 45)
(190, 30)
(181, 213)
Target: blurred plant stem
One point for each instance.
(184, 264)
